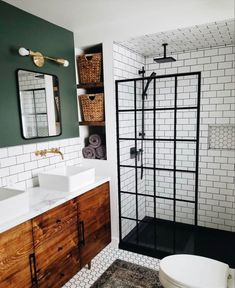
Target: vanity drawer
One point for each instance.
(53, 222)
(60, 272)
(47, 252)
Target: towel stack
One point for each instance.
(95, 149)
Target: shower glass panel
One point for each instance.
(165, 91)
(127, 226)
(164, 181)
(187, 91)
(186, 156)
(186, 124)
(158, 144)
(127, 179)
(185, 186)
(165, 154)
(126, 96)
(148, 154)
(127, 125)
(125, 152)
(128, 208)
(164, 124)
(149, 183)
(148, 124)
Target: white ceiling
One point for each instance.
(192, 38)
(94, 21)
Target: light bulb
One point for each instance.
(66, 63)
(23, 51)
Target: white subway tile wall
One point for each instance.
(19, 166)
(216, 207)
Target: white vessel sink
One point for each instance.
(67, 179)
(13, 203)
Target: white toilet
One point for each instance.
(191, 271)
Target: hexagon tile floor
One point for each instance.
(85, 278)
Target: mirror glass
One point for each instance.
(39, 104)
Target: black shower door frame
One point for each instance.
(174, 139)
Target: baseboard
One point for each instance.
(115, 242)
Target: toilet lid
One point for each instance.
(194, 271)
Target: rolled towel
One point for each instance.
(88, 152)
(100, 152)
(95, 140)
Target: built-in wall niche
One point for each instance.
(91, 96)
(222, 137)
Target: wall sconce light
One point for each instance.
(39, 59)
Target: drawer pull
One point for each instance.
(62, 274)
(32, 261)
(58, 221)
(60, 248)
(82, 233)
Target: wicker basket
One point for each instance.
(89, 68)
(92, 106)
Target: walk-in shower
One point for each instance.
(158, 164)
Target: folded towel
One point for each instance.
(95, 140)
(88, 152)
(100, 152)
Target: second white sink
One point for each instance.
(67, 178)
(13, 203)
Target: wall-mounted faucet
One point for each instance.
(46, 151)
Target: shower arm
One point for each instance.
(164, 47)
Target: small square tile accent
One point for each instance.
(222, 137)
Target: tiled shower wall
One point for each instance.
(19, 166)
(216, 175)
(216, 196)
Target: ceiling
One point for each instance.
(200, 36)
(94, 21)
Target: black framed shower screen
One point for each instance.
(169, 98)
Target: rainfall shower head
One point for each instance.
(164, 59)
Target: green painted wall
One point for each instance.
(21, 29)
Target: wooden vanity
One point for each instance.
(50, 249)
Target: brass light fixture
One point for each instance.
(39, 58)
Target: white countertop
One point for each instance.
(42, 200)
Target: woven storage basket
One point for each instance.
(89, 68)
(92, 106)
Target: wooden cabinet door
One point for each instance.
(16, 246)
(56, 245)
(60, 272)
(94, 221)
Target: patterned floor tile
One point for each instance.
(85, 278)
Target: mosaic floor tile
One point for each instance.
(85, 278)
